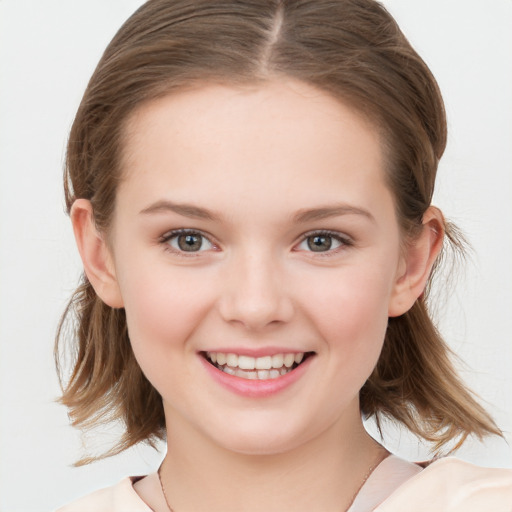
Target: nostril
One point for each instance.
(255, 303)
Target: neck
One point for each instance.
(322, 474)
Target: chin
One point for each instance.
(261, 446)
(262, 442)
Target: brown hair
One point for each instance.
(352, 49)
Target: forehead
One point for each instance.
(279, 138)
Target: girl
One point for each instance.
(250, 188)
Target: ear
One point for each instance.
(416, 265)
(95, 254)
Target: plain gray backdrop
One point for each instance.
(48, 50)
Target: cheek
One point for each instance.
(352, 316)
(163, 307)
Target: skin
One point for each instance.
(257, 159)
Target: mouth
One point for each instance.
(256, 368)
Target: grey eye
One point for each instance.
(189, 242)
(319, 243)
(323, 242)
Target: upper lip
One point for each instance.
(256, 351)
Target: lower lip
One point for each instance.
(256, 388)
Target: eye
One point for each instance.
(323, 241)
(187, 241)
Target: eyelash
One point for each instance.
(344, 242)
(165, 239)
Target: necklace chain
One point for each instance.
(163, 489)
(365, 478)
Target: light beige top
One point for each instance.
(447, 485)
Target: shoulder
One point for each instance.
(117, 498)
(388, 476)
(453, 485)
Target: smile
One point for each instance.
(256, 368)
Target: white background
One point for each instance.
(48, 49)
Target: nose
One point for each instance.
(255, 293)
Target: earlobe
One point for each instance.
(95, 254)
(417, 264)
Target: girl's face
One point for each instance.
(254, 230)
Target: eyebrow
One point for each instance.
(302, 216)
(328, 211)
(186, 210)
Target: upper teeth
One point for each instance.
(259, 363)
